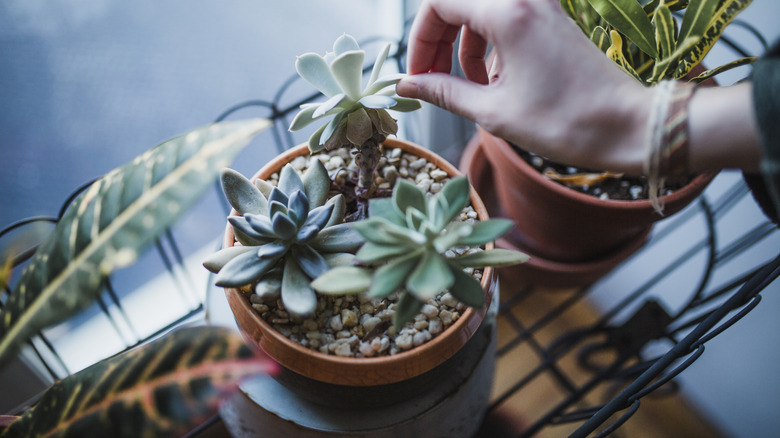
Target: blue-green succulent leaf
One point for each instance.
(340, 259)
(278, 196)
(328, 105)
(276, 207)
(260, 224)
(243, 269)
(337, 238)
(431, 276)
(384, 82)
(298, 208)
(245, 233)
(298, 297)
(438, 209)
(314, 70)
(343, 280)
(392, 276)
(339, 210)
(312, 262)
(330, 128)
(377, 101)
(315, 145)
(496, 258)
(467, 289)
(316, 183)
(345, 43)
(289, 181)
(457, 192)
(319, 216)
(406, 105)
(216, 261)
(374, 229)
(385, 208)
(373, 253)
(406, 309)
(242, 195)
(378, 64)
(486, 231)
(407, 195)
(305, 117)
(347, 69)
(272, 251)
(452, 236)
(284, 227)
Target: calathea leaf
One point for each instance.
(165, 388)
(111, 222)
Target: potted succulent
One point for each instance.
(574, 235)
(369, 291)
(186, 372)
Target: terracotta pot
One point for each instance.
(353, 372)
(573, 238)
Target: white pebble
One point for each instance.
(348, 318)
(448, 300)
(404, 341)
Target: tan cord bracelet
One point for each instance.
(667, 145)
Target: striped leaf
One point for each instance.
(673, 5)
(615, 53)
(697, 17)
(722, 17)
(111, 222)
(725, 67)
(600, 38)
(664, 36)
(165, 388)
(628, 18)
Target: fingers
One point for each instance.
(434, 32)
(452, 93)
(472, 56)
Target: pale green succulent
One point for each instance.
(408, 248)
(360, 113)
(289, 234)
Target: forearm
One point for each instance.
(723, 132)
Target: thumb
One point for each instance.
(446, 91)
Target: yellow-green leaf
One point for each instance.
(600, 38)
(111, 222)
(697, 17)
(725, 67)
(664, 35)
(165, 388)
(615, 53)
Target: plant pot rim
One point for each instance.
(352, 371)
(672, 202)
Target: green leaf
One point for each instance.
(405, 105)
(457, 192)
(246, 268)
(496, 258)
(628, 17)
(242, 195)
(338, 238)
(305, 117)
(343, 280)
(452, 236)
(725, 67)
(310, 261)
(339, 210)
(407, 195)
(392, 276)
(384, 82)
(487, 231)
(111, 222)
(378, 64)
(345, 43)
(467, 289)
(407, 308)
(347, 68)
(381, 231)
(697, 17)
(431, 276)
(297, 296)
(165, 388)
(314, 143)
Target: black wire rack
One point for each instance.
(609, 351)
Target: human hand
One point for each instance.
(548, 88)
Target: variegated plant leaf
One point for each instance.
(600, 38)
(698, 15)
(111, 222)
(722, 17)
(628, 18)
(664, 35)
(725, 67)
(615, 53)
(165, 388)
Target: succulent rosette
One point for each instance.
(359, 114)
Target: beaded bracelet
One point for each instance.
(667, 145)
